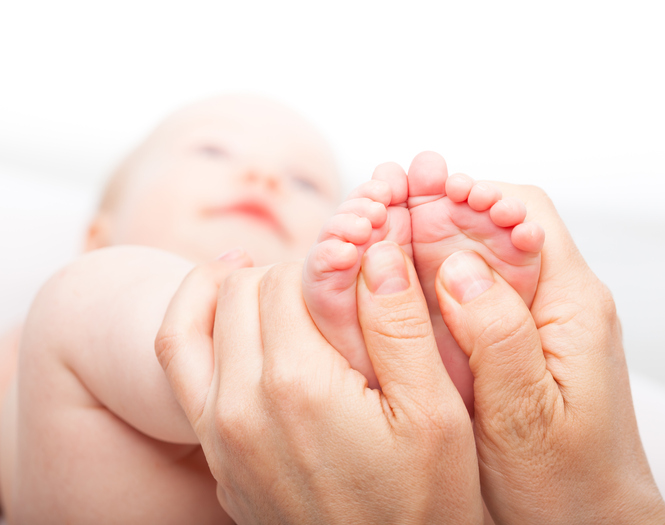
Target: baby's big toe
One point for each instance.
(392, 174)
(427, 177)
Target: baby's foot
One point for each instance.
(449, 214)
(374, 212)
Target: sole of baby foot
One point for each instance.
(455, 213)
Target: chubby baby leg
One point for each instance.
(373, 212)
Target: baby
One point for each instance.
(91, 432)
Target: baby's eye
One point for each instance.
(304, 184)
(212, 151)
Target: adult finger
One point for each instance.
(289, 332)
(184, 341)
(398, 333)
(238, 347)
(493, 326)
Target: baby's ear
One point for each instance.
(99, 232)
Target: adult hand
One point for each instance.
(555, 428)
(291, 432)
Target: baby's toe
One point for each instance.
(375, 190)
(458, 187)
(528, 237)
(508, 212)
(393, 174)
(347, 227)
(427, 175)
(365, 207)
(329, 256)
(483, 196)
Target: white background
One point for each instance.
(565, 95)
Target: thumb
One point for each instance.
(494, 327)
(395, 321)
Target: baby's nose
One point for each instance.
(264, 177)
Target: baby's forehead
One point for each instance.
(251, 125)
(256, 126)
(254, 116)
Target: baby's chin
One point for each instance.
(263, 249)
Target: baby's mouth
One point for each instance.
(254, 211)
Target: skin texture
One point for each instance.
(290, 431)
(555, 430)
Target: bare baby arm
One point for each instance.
(99, 316)
(92, 429)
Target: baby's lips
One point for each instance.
(255, 209)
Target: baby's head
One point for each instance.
(231, 171)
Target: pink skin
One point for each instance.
(444, 215)
(450, 214)
(373, 212)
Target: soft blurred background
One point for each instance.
(564, 95)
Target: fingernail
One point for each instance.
(465, 275)
(231, 255)
(384, 269)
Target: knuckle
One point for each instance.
(433, 420)
(525, 420)
(282, 384)
(273, 281)
(233, 422)
(235, 282)
(535, 192)
(200, 271)
(507, 334)
(202, 274)
(533, 415)
(534, 196)
(401, 321)
(290, 392)
(605, 301)
(456, 426)
(272, 278)
(438, 424)
(167, 342)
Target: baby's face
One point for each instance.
(234, 171)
